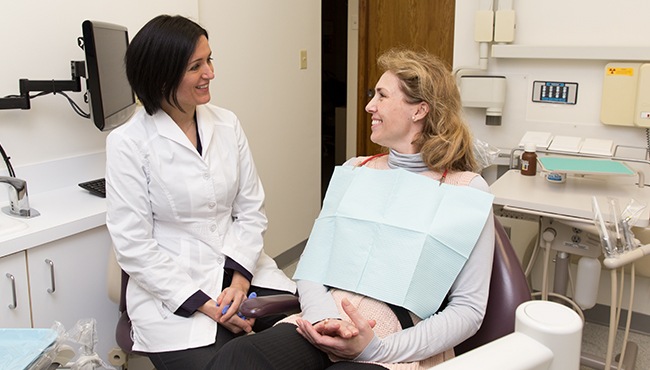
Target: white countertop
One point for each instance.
(65, 208)
(572, 198)
(63, 212)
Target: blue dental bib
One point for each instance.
(396, 236)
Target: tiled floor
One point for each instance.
(594, 341)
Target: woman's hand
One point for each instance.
(231, 297)
(234, 324)
(227, 306)
(339, 338)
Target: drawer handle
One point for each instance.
(52, 289)
(13, 291)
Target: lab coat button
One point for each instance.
(206, 176)
(212, 205)
(213, 227)
(219, 260)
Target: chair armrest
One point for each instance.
(270, 305)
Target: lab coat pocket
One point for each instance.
(181, 250)
(186, 259)
(162, 310)
(143, 306)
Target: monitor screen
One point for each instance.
(111, 98)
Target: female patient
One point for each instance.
(416, 115)
(185, 204)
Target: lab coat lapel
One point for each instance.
(206, 130)
(169, 129)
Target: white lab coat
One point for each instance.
(174, 216)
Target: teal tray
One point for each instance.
(584, 166)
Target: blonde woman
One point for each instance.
(415, 115)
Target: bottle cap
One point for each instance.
(530, 147)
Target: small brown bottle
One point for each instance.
(529, 160)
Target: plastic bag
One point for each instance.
(485, 154)
(615, 227)
(84, 336)
(629, 217)
(74, 349)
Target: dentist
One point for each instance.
(185, 204)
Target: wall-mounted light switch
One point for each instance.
(303, 59)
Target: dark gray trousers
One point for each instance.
(198, 358)
(278, 348)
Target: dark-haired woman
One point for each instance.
(185, 203)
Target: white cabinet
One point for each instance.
(67, 282)
(14, 292)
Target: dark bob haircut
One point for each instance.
(157, 57)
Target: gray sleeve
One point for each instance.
(458, 321)
(316, 302)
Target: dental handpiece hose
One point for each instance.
(627, 257)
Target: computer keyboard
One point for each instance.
(96, 187)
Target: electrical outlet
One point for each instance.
(573, 238)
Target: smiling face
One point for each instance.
(194, 88)
(395, 122)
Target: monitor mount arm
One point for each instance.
(78, 70)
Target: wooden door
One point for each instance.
(383, 24)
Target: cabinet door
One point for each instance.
(68, 283)
(14, 292)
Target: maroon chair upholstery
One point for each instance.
(123, 328)
(508, 289)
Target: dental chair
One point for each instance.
(116, 284)
(508, 289)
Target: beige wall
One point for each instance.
(256, 47)
(38, 40)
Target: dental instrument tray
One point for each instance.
(585, 166)
(96, 187)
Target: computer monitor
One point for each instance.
(111, 98)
